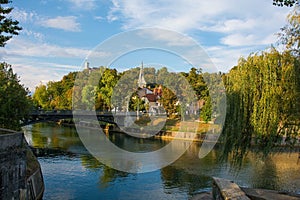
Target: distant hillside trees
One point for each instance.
(55, 95)
(94, 89)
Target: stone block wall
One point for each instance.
(14, 182)
(12, 167)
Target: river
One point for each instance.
(71, 172)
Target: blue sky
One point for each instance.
(58, 35)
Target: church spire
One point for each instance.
(141, 82)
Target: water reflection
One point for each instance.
(69, 169)
(88, 161)
(110, 175)
(176, 178)
(50, 135)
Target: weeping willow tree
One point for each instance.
(263, 96)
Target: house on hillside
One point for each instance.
(149, 95)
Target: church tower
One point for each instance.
(141, 81)
(86, 65)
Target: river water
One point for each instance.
(71, 172)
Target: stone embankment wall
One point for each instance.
(12, 167)
(17, 181)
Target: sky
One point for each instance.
(59, 35)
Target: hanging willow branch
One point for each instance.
(263, 95)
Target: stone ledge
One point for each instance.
(9, 140)
(224, 189)
(263, 194)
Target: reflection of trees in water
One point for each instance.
(279, 172)
(178, 178)
(210, 164)
(191, 173)
(135, 144)
(90, 162)
(50, 135)
(265, 174)
(108, 174)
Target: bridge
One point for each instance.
(56, 115)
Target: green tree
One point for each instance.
(169, 101)
(263, 97)
(206, 111)
(135, 103)
(8, 26)
(14, 101)
(196, 80)
(67, 85)
(41, 97)
(290, 34)
(55, 95)
(88, 96)
(106, 86)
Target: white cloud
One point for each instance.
(37, 62)
(224, 58)
(180, 15)
(34, 73)
(23, 16)
(232, 25)
(237, 27)
(67, 23)
(168, 37)
(248, 40)
(99, 18)
(21, 47)
(239, 40)
(83, 4)
(230, 17)
(32, 34)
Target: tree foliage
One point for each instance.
(290, 34)
(8, 26)
(14, 101)
(263, 96)
(55, 95)
(104, 89)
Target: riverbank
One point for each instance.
(189, 131)
(173, 129)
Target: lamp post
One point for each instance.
(138, 116)
(138, 108)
